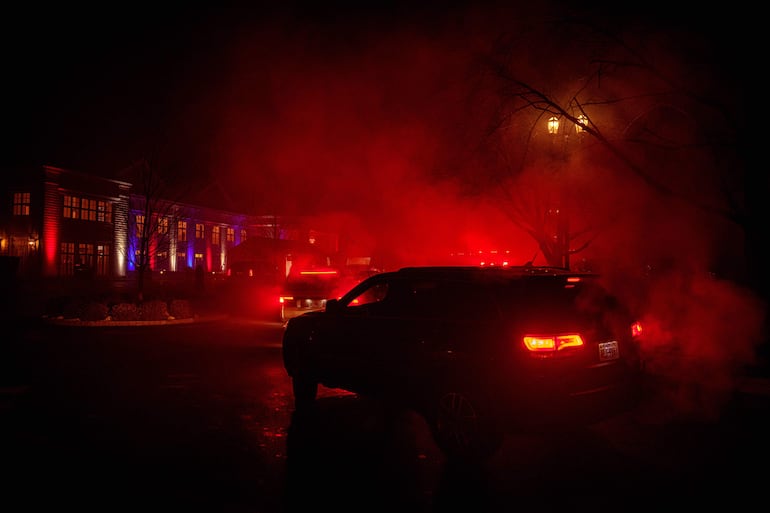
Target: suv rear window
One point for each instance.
(535, 297)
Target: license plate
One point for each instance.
(609, 351)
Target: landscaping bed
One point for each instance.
(117, 310)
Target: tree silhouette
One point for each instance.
(155, 227)
(632, 102)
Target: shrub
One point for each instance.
(124, 312)
(74, 308)
(154, 310)
(55, 305)
(118, 307)
(180, 309)
(94, 311)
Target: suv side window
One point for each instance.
(374, 294)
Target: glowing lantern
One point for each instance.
(581, 124)
(553, 125)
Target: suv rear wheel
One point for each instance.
(462, 429)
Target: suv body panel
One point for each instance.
(411, 335)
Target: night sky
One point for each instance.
(96, 90)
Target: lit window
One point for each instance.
(104, 211)
(215, 238)
(103, 260)
(230, 235)
(181, 231)
(139, 225)
(199, 231)
(21, 203)
(71, 207)
(163, 225)
(243, 235)
(86, 252)
(88, 209)
(67, 258)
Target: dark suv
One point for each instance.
(476, 351)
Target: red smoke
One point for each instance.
(361, 126)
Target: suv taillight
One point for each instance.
(552, 343)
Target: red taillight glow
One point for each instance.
(306, 273)
(636, 329)
(550, 343)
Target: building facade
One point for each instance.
(62, 223)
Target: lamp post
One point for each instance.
(556, 128)
(33, 242)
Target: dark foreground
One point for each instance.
(199, 418)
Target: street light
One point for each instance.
(580, 125)
(562, 213)
(553, 125)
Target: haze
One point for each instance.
(374, 120)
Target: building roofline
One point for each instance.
(60, 170)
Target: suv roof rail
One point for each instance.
(513, 269)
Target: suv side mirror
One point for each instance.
(332, 305)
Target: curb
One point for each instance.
(110, 323)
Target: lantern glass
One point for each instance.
(553, 125)
(581, 124)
